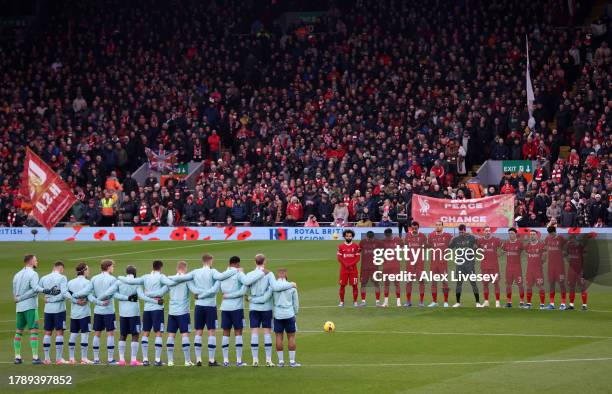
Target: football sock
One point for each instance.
(291, 356)
(225, 348)
(134, 350)
(158, 348)
(529, 296)
(408, 291)
(197, 344)
(239, 348)
(212, 347)
(84, 345)
(542, 296)
(280, 356)
(186, 349)
(17, 345)
(34, 343)
(170, 349)
(47, 346)
(72, 345)
(341, 293)
(584, 297)
(110, 347)
(268, 346)
(96, 347)
(144, 342)
(121, 350)
(355, 293)
(59, 347)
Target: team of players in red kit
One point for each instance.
(552, 249)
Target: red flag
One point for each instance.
(49, 195)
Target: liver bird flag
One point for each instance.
(48, 194)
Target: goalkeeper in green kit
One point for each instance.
(25, 295)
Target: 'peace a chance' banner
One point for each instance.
(495, 211)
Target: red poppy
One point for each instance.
(229, 231)
(137, 238)
(153, 239)
(243, 235)
(111, 236)
(192, 235)
(100, 234)
(145, 230)
(178, 234)
(207, 238)
(574, 230)
(478, 230)
(70, 239)
(281, 234)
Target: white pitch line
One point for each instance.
(562, 360)
(470, 334)
(155, 250)
(566, 360)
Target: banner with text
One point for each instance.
(495, 211)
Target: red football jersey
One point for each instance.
(535, 255)
(513, 253)
(440, 241)
(367, 247)
(575, 250)
(418, 241)
(391, 243)
(348, 255)
(489, 247)
(554, 246)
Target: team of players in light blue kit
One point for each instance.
(273, 306)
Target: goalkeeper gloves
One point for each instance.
(160, 301)
(133, 298)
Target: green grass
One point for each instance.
(372, 350)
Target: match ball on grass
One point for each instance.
(329, 326)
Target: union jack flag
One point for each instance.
(162, 161)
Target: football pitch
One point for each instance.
(372, 349)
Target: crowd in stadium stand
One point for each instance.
(336, 122)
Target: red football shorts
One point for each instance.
(490, 271)
(574, 277)
(349, 277)
(439, 268)
(367, 275)
(417, 268)
(391, 268)
(535, 277)
(556, 273)
(513, 274)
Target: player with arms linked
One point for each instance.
(368, 268)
